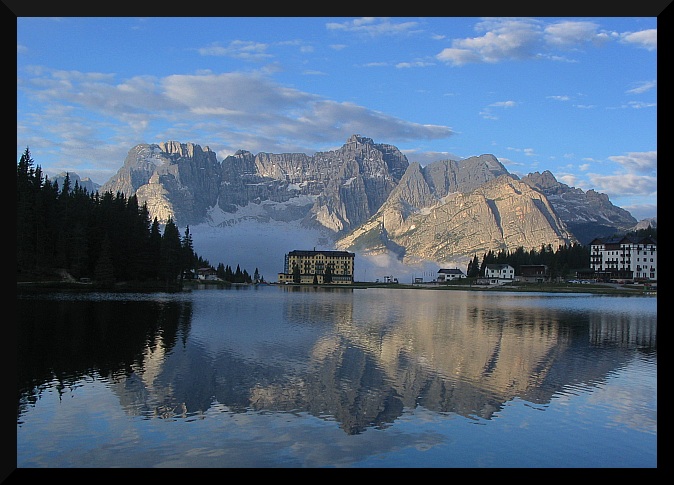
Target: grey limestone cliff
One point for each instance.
(368, 197)
(177, 180)
(340, 188)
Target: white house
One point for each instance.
(207, 274)
(497, 274)
(445, 275)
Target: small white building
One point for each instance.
(498, 274)
(207, 274)
(445, 275)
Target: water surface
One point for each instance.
(276, 376)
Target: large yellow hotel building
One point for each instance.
(318, 267)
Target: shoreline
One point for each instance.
(594, 288)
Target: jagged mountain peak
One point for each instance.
(359, 139)
(544, 180)
(183, 150)
(439, 210)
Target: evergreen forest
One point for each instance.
(105, 239)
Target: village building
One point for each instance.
(624, 258)
(533, 273)
(498, 274)
(446, 274)
(319, 267)
(207, 274)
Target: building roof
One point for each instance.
(498, 266)
(300, 252)
(450, 271)
(618, 240)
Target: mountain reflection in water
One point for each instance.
(358, 357)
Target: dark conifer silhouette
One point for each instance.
(106, 237)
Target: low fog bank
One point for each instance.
(253, 245)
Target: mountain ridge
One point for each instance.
(367, 196)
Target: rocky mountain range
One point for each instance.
(86, 183)
(366, 196)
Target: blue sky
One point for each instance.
(573, 95)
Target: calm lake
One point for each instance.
(274, 376)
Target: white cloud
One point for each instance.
(487, 112)
(642, 211)
(569, 34)
(225, 111)
(567, 178)
(507, 39)
(647, 39)
(641, 104)
(373, 26)
(239, 49)
(504, 104)
(638, 162)
(642, 87)
(624, 184)
(403, 65)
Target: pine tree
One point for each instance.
(220, 272)
(187, 252)
(26, 228)
(154, 251)
(473, 270)
(170, 264)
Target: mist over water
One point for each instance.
(252, 244)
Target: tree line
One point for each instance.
(563, 262)
(560, 262)
(105, 238)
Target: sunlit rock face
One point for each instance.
(368, 198)
(450, 211)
